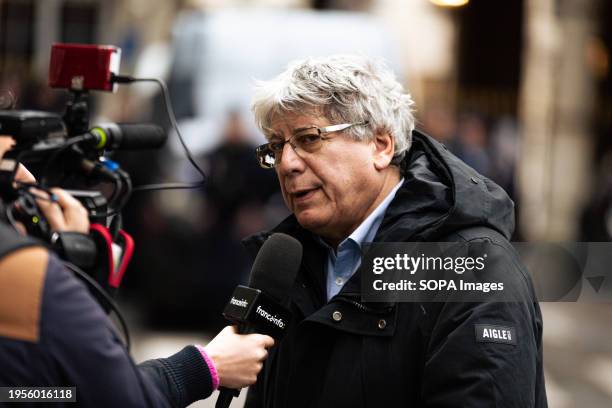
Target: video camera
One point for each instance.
(63, 151)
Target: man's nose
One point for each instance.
(290, 161)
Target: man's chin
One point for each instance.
(310, 221)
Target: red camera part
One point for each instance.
(82, 67)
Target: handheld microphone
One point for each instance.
(262, 307)
(113, 136)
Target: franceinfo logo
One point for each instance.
(239, 302)
(273, 319)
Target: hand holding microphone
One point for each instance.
(238, 358)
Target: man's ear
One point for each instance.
(384, 147)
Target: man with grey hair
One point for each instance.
(353, 170)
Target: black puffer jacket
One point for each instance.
(411, 354)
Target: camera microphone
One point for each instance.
(114, 136)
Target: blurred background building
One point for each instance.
(520, 89)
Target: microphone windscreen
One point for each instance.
(276, 266)
(142, 136)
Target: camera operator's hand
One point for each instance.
(238, 358)
(65, 213)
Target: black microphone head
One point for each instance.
(276, 266)
(127, 136)
(141, 136)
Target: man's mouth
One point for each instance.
(303, 194)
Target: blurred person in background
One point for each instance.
(504, 151)
(236, 194)
(235, 180)
(54, 334)
(471, 146)
(353, 170)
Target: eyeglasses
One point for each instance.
(307, 140)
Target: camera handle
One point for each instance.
(76, 116)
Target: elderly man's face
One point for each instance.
(332, 190)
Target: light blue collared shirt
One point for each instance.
(343, 263)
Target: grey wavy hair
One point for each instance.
(345, 89)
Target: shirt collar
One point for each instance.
(366, 231)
